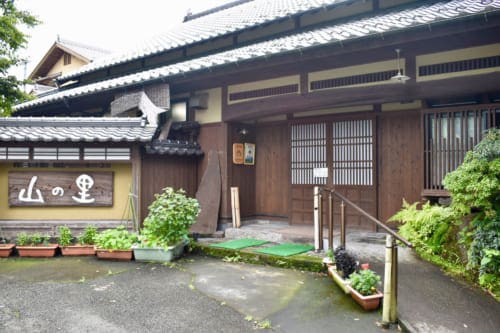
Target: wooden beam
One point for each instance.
(386, 93)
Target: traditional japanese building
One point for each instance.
(377, 98)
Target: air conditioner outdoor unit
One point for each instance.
(199, 101)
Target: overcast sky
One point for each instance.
(110, 24)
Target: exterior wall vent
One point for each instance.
(352, 80)
(459, 66)
(266, 92)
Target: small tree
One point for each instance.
(169, 219)
(11, 41)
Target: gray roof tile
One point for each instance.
(397, 20)
(87, 51)
(206, 27)
(74, 129)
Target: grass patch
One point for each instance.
(300, 262)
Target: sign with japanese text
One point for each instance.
(60, 188)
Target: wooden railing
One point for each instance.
(389, 314)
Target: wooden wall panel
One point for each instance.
(272, 171)
(243, 176)
(159, 171)
(400, 164)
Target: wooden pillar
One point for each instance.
(136, 186)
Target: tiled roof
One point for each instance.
(394, 21)
(220, 23)
(87, 51)
(74, 129)
(172, 147)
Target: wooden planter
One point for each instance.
(122, 255)
(78, 250)
(6, 250)
(371, 302)
(339, 280)
(37, 251)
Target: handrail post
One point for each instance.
(342, 224)
(320, 220)
(330, 221)
(394, 287)
(386, 309)
(390, 311)
(317, 213)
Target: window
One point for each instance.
(353, 152)
(308, 152)
(67, 59)
(449, 134)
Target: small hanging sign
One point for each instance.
(238, 153)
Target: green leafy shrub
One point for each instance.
(36, 239)
(118, 238)
(89, 236)
(476, 183)
(170, 216)
(65, 236)
(428, 228)
(365, 281)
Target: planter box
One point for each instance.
(37, 251)
(122, 255)
(6, 250)
(158, 254)
(339, 280)
(371, 302)
(78, 250)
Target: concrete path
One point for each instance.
(429, 300)
(198, 295)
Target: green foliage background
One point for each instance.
(464, 238)
(11, 41)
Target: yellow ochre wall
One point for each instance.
(60, 67)
(122, 178)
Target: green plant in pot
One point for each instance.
(85, 246)
(166, 228)
(115, 244)
(364, 288)
(6, 248)
(35, 245)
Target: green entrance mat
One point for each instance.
(239, 243)
(286, 249)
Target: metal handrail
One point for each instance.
(368, 216)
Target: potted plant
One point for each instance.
(35, 245)
(165, 230)
(85, 246)
(345, 264)
(363, 289)
(115, 244)
(5, 248)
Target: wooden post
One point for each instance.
(235, 207)
(330, 221)
(317, 213)
(320, 226)
(342, 224)
(386, 310)
(393, 316)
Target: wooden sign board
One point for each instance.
(238, 153)
(33, 188)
